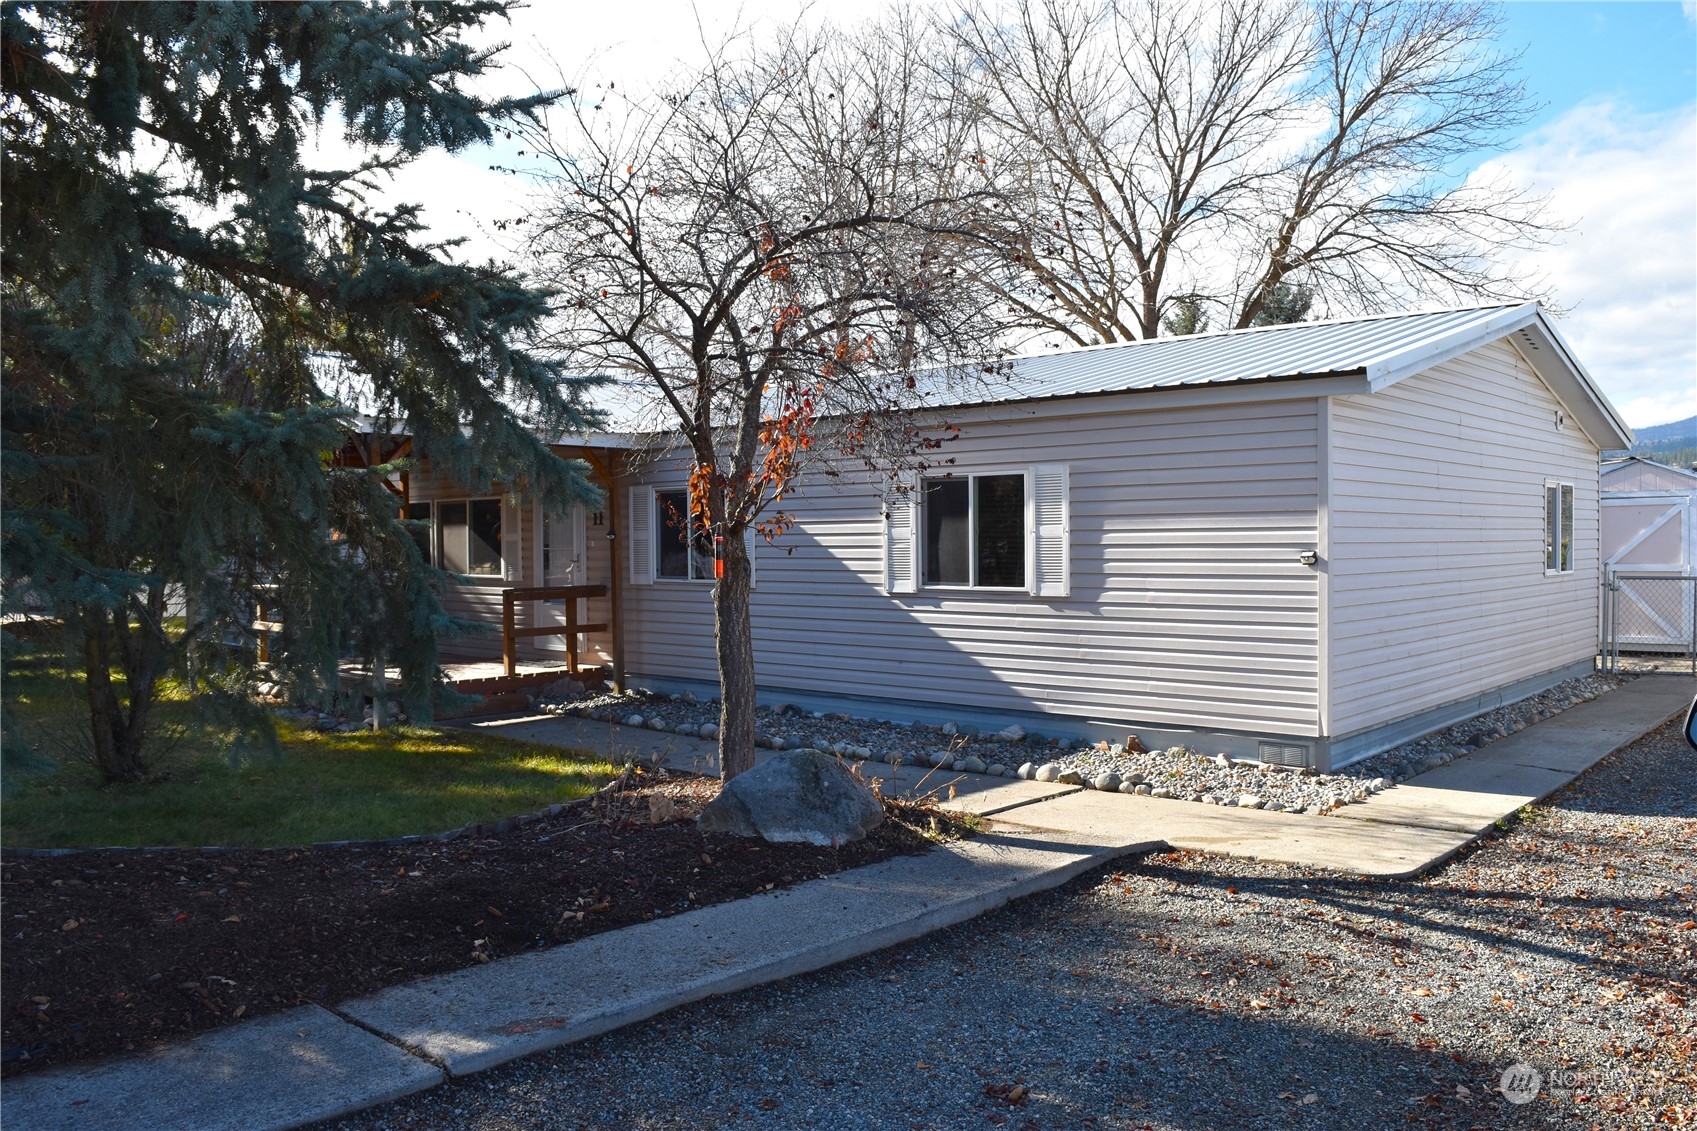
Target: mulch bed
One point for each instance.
(106, 952)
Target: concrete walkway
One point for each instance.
(315, 1063)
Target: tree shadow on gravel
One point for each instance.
(1397, 907)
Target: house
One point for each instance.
(1649, 550)
(1300, 543)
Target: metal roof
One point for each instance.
(1374, 347)
(1378, 351)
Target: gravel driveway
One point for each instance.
(1188, 992)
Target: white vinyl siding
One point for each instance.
(1186, 606)
(1437, 514)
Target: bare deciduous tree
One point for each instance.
(1373, 210)
(771, 248)
(1162, 154)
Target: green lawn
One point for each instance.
(357, 786)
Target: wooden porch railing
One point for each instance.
(571, 630)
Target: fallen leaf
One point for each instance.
(70, 925)
(493, 911)
(1417, 1019)
(233, 919)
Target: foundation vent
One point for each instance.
(1283, 753)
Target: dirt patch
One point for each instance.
(107, 952)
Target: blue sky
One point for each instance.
(1613, 144)
(1642, 52)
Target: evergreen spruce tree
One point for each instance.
(1187, 316)
(181, 293)
(1285, 303)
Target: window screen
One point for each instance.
(451, 520)
(975, 531)
(1001, 529)
(680, 555)
(1558, 527)
(948, 533)
(484, 552)
(469, 535)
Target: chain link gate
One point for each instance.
(1650, 619)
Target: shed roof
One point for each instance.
(1381, 349)
(1638, 467)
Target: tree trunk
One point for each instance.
(734, 636)
(117, 752)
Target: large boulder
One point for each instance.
(800, 796)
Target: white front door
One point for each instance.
(563, 563)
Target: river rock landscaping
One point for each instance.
(1179, 772)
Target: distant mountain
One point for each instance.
(1679, 431)
(1674, 443)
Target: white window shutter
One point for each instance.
(639, 534)
(1052, 576)
(901, 538)
(748, 544)
(512, 539)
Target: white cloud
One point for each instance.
(1627, 270)
(1626, 180)
(552, 46)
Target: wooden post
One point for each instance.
(509, 655)
(571, 635)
